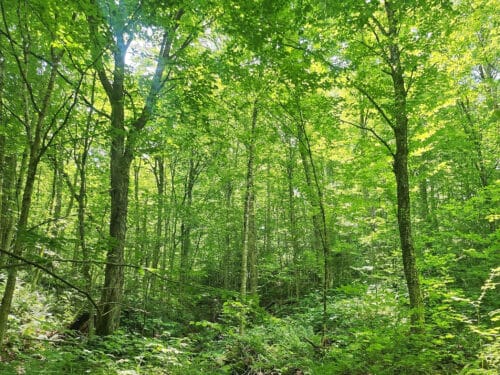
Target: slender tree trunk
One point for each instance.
(424, 201)
(160, 218)
(156, 256)
(293, 218)
(7, 175)
(55, 208)
(7, 209)
(226, 260)
(22, 225)
(251, 235)
(86, 255)
(186, 224)
(319, 215)
(36, 151)
(173, 233)
(315, 192)
(249, 216)
(2, 126)
(402, 180)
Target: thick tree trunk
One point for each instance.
(121, 156)
(123, 138)
(112, 292)
(405, 233)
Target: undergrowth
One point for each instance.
(367, 333)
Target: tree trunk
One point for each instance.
(293, 218)
(401, 173)
(22, 225)
(186, 224)
(112, 292)
(248, 254)
(55, 208)
(7, 209)
(36, 151)
(251, 235)
(121, 156)
(123, 138)
(226, 261)
(160, 218)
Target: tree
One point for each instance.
(399, 47)
(121, 22)
(41, 112)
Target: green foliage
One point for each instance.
(36, 316)
(321, 75)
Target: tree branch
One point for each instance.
(375, 104)
(375, 134)
(57, 277)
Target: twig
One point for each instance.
(46, 270)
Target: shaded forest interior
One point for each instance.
(249, 187)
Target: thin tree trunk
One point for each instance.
(7, 209)
(36, 151)
(251, 235)
(22, 225)
(248, 212)
(160, 190)
(159, 173)
(187, 220)
(226, 260)
(402, 180)
(319, 216)
(293, 217)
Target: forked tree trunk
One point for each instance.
(36, 151)
(123, 140)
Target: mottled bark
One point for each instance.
(248, 251)
(123, 140)
(400, 128)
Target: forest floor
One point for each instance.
(365, 334)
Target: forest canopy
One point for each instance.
(249, 187)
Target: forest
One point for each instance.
(254, 187)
